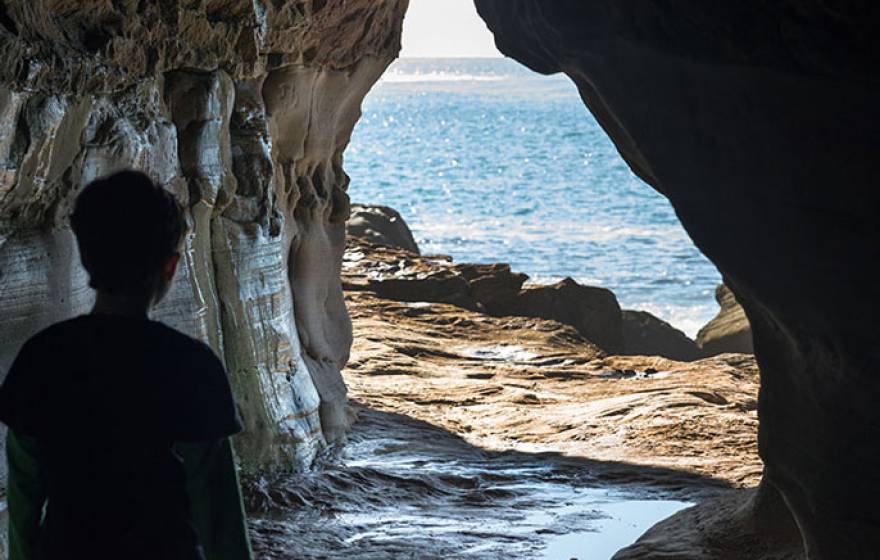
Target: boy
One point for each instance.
(98, 407)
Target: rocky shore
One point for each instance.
(469, 348)
(471, 402)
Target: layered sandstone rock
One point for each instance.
(758, 122)
(536, 384)
(242, 109)
(729, 330)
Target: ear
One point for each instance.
(170, 267)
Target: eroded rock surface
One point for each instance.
(729, 330)
(502, 434)
(535, 384)
(758, 122)
(242, 109)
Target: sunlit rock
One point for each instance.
(381, 225)
(729, 330)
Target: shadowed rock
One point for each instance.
(593, 311)
(759, 122)
(646, 335)
(734, 526)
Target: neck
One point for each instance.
(125, 305)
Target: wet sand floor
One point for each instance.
(403, 488)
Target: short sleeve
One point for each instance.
(205, 406)
(23, 392)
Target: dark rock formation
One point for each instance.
(242, 109)
(381, 225)
(646, 335)
(729, 331)
(759, 122)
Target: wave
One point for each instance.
(420, 77)
(515, 231)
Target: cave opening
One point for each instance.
(476, 172)
(497, 415)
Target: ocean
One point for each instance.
(490, 162)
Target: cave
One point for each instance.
(757, 122)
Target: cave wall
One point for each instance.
(759, 122)
(242, 109)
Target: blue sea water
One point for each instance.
(490, 162)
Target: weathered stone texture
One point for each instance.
(729, 330)
(242, 109)
(759, 122)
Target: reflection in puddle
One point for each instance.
(501, 353)
(619, 524)
(405, 489)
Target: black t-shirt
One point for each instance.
(106, 397)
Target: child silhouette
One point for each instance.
(118, 442)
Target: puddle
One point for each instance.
(619, 523)
(649, 373)
(405, 489)
(500, 353)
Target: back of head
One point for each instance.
(127, 227)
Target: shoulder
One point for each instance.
(25, 386)
(53, 333)
(47, 345)
(184, 347)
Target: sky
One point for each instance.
(445, 28)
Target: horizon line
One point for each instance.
(452, 56)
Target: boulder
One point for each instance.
(492, 285)
(381, 225)
(729, 331)
(594, 312)
(398, 274)
(646, 335)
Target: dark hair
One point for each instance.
(126, 228)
